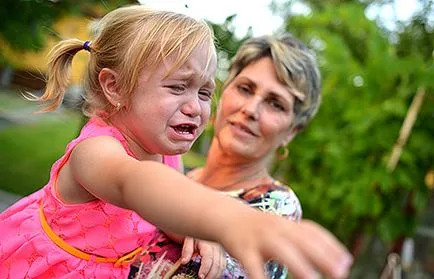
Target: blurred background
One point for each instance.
(364, 168)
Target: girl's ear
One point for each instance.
(108, 80)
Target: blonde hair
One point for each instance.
(295, 66)
(127, 40)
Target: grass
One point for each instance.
(28, 151)
(12, 99)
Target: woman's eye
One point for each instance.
(276, 105)
(244, 89)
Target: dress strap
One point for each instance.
(124, 260)
(262, 189)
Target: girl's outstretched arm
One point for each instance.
(175, 203)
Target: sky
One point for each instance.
(257, 14)
(254, 13)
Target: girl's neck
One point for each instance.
(138, 151)
(225, 173)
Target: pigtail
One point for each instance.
(59, 68)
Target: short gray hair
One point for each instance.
(295, 65)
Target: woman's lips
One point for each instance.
(242, 130)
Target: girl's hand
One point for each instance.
(305, 248)
(213, 259)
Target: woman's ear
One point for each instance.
(108, 79)
(291, 135)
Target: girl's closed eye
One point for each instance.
(205, 95)
(177, 88)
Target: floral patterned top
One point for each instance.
(274, 198)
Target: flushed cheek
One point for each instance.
(273, 127)
(235, 105)
(205, 118)
(232, 103)
(206, 111)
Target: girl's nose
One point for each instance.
(191, 107)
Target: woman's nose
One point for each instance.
(251, 108)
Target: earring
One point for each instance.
(281, 153)
(118, 106)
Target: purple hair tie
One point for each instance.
(86, 46)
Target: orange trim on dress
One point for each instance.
(126, 259)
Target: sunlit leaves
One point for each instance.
(337, 166)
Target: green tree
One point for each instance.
(370, 76)
(25, 24)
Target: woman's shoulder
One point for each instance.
(276, 198)
(282, 189)
(275, 188)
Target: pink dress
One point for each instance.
(96, 227)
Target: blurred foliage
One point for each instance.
(25, 24)
(370, 76)
(337, 166)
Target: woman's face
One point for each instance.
(255, 113)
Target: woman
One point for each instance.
(272, 92)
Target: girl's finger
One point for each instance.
(289, 255)
(325, 251)
(253, 264)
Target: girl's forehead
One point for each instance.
(191, 74)
(199, 64)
